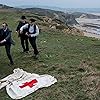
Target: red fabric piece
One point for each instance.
(30, 84)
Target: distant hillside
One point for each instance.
(43, 7)
(4, 6)
(64, 17)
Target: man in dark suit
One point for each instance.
(23, 37)
(5, 40)
(32, 33)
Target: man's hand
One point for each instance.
(21, 32)
(16, 31)
(28, 35)
(2, 41)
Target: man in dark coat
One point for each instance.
(5, 40)
(23, 37)
(32, 33)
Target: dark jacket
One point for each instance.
(6, 35)
(20, 25)
(24, 31)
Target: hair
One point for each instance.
(5, 23)
(23, 17)
(32, 20)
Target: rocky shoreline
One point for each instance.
(90, 27)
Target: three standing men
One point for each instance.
(26, 31)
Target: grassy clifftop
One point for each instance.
(73, 60)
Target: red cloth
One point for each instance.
(30, 84)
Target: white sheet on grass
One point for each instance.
(20, 83)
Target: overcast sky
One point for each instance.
(55, 3)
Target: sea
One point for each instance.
(83, 10)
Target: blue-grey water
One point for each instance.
(84, 10)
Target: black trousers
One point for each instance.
(8, 47)
(32, 41)
(24, 43)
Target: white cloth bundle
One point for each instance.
(20, 83)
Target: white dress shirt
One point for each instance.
(31, 29)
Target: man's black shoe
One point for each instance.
(35, 57)
(10, 64)
(26, 51)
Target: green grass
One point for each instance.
(61, 55)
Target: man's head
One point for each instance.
(23, 18)
(32, 21)
(4, 25)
